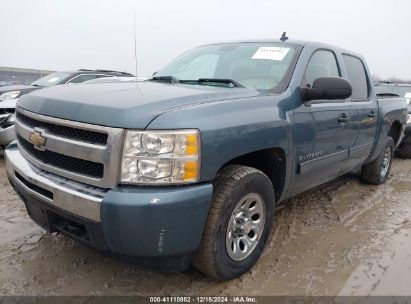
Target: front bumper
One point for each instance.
(131, 221)
(7, 135)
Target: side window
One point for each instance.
(322, 64)
(358, 78)
(82, 78)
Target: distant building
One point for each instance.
(15, 76)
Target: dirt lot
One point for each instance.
(342, 238)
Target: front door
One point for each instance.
(321, 131)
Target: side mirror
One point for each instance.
(326, 88)
(154, 74)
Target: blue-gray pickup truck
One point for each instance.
(188, 166)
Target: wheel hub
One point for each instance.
(242, 225)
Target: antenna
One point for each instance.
(284, 37)
(135, 42)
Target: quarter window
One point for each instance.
(358, 78)
(322, 64)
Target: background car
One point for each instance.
(64, 77)
(389, 89)
(7, 117)
(115, 79)
(10, 94)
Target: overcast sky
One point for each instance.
(68, 34)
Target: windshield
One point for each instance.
(50, 80)
(262, 66)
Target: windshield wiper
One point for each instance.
(230, 82)
(170, 79)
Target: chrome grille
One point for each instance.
(64, 131)
(65, 162)
(72, 149)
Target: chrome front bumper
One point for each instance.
(7, 135)
(74, 197)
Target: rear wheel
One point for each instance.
(378, 170)
(404, 151)
(238, 224)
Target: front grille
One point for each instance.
(62, 161)
(64, 131)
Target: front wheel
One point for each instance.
(238, 224)
(377, 171)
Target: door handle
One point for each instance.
(343, 118)
(372, 114)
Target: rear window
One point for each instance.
(358, 78)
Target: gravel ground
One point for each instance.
(342, 238)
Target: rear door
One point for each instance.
(364, 110)
(321, 129)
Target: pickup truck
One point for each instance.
(388, 90)
(187, 167)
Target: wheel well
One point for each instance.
(395, 132)
(272, 162)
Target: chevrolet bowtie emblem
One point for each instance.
(37, 140)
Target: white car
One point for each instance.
(7, 117)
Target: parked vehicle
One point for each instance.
(66, 77)
(12, 93)
(388, 90)
(116, 79)
(7, 117)
(188, 166)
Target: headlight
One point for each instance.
(12, 118)
(408, 119)
(161, 157)
(9, 95)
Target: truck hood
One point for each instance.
(123, 105)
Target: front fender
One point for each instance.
(233, 128)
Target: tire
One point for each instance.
(404, 151)
(220, 254)
(377, 171)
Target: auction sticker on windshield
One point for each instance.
(271, 53)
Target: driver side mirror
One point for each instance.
(326, 88)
